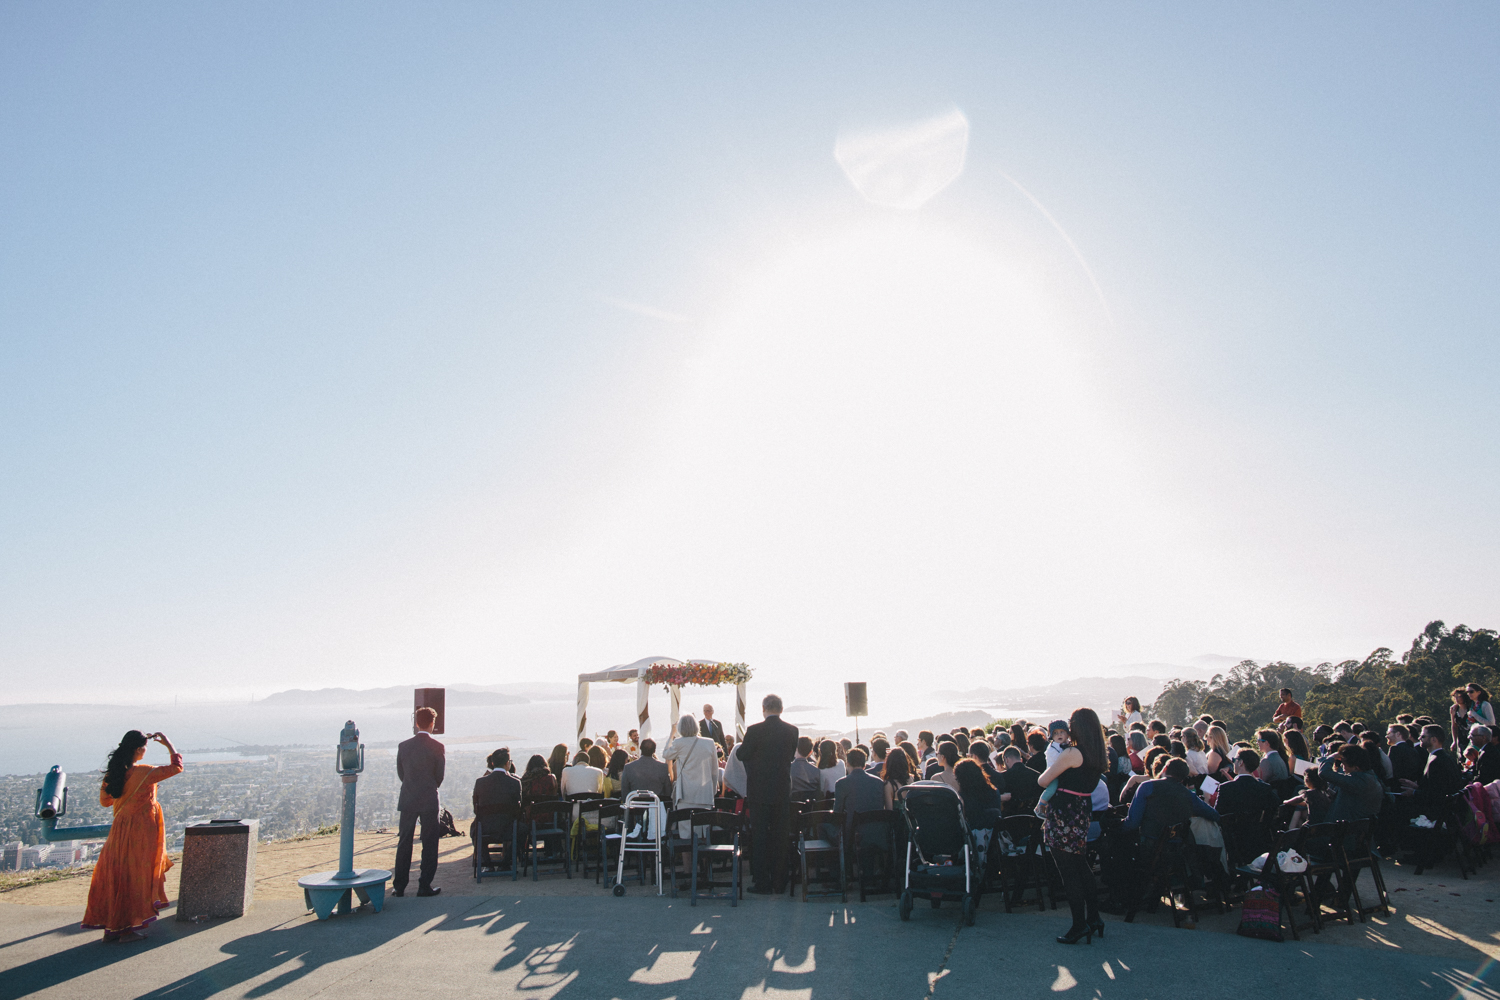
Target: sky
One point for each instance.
(953, 345)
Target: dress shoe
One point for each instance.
(1098, 927)
(428, 890)
(398, 893)
(1076, 933)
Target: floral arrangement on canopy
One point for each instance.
(702, 674)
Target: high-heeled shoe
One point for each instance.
(1098, 928)
(1077, 932)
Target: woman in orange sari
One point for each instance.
(130, 880)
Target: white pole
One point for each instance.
(643, 707)
(739, 712)
(676, 712)
(583, 708)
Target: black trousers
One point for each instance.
(770, 830)
(402, 874)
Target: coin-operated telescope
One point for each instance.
(327, 890)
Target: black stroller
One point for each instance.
(941, 862)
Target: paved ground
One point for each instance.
(569, 939)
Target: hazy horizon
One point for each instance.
(933, 347)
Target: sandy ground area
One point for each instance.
(1437, 913)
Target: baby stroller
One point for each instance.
(940, 859)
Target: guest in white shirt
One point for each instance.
(581, 778)
(830, 768)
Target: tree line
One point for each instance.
(1372, 691)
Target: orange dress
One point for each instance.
(130, 880)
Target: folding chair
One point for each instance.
(551, 823)
(675, 844)
(725, 828)
(1166, 872)
(501, 833)
(1283, 883)
(814, 844)
(1019, 841)
(870, 834)
(603, 812)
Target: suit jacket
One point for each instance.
(1440, 779)
(1487, 767)
(647, 775)
(496, 792)
(713, 729)
(858, 791)
(807, 781)
(419, 766)
(1020, 782)
(1407, 761)
(767, 753)
(1246, 793)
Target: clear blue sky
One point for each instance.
(359, 344)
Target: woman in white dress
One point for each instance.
(695, 764)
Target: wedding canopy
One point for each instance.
(673, 674)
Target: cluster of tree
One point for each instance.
(1373, 690)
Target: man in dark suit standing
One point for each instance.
(419, 766)
(1407, 761)
(711, 727)
(767, 753)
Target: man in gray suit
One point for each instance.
(419, 766)
(647, 775)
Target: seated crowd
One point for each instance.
(1105, 794)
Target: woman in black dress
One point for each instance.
(1066, 826)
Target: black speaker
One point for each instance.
(432, 698)
(854, 699)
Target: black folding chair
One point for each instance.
(551, 835)
(674, 844)
(870, 837)
(716, 839)
(814, 847)
(593, 816)
(1285, 884)
(500, 833)
(1019, 841)
(1165, 874)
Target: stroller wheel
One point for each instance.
(969, 911)
(619, 890)
(905, 908)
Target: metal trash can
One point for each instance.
(218, 869)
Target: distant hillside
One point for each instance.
(457, 697)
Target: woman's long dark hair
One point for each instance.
(827, 755)
(617, 762)
(897, 769)
(120, 761)
(535, 765)
(1088, 737)
(558, 759)
(971, 779)
(1298, 744)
